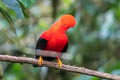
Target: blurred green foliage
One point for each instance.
(93, 42)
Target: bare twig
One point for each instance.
(80, 70)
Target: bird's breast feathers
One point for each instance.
(56, 41)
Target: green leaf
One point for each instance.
(6, 16)
(27, 3)
(24, 10)
(14, 5)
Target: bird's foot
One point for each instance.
(40, 61)
(59, 62)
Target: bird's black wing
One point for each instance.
(65, 48)
(41, 44)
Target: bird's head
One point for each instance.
(68, 21)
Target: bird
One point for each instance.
(55, 39)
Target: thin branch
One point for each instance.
(80, 70)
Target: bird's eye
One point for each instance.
(63, 24)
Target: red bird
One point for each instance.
(55, 39)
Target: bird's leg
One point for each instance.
(40, 61)
(59, 62)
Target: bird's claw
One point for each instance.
(59, 62)
(40, 61)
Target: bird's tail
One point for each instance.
(35, 65)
